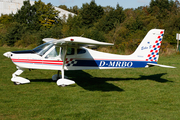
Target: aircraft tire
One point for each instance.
(63, 85)
(17, 83)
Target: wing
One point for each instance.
(78, 41)
(48, 39)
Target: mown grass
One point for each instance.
(146, 93)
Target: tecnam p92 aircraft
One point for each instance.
(71, 54)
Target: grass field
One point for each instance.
(144, 94)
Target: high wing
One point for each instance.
(76, 41)
(48, 39)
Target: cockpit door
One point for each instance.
(52, 59)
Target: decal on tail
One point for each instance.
(150, 45)
(154, 52)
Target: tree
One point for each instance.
(27, 15)
(75, 9)
(6, 19)
(90, 13)
(47, 15)
(161, 8)
(64, 7)
(73, 26)
(37, 15)
(114, 16)
(14, 33)
(107, 9)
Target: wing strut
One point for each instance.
(63, 82)
(64, 60)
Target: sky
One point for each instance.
(123, 3)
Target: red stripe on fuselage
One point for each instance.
(52, 62)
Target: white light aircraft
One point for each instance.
(71, 53)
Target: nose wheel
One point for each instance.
(19, 80)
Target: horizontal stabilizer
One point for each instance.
(159, 65)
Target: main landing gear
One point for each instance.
(62, 80)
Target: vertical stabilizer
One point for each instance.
(149, 48)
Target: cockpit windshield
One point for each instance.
(42, 49)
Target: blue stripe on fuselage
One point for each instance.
(112, 63)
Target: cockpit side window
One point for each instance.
(81, 51)
(54, 53)
(70, 51)
(42, 49)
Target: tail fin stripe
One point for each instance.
(156, 48)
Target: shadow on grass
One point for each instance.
(91, 83)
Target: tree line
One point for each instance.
(124, 27)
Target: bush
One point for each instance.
(14, 33)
